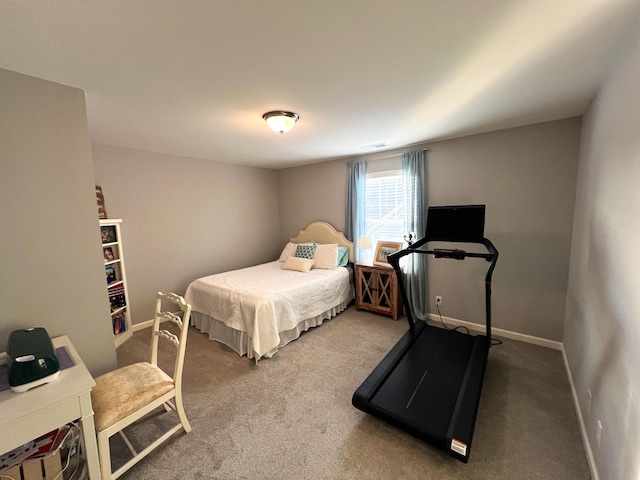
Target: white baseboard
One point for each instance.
(583, 428)
(499, 332)
(136, 327)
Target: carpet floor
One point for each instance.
(290, 417)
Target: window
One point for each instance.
(385, 206)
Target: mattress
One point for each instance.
(257, 310)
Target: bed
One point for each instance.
(257, 310)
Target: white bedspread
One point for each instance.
(265, 300)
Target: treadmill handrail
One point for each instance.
(491, 256)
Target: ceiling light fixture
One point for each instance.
(281, 121)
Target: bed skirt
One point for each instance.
(240, 341)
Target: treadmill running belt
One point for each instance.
(425, 385)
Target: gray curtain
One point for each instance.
(354, 220)
(414, 174)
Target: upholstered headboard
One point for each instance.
(323, 232)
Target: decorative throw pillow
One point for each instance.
(298, 264)
(343, 256)
(326, 256)
(290, 250)
(305, 251)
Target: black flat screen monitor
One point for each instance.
(456, 223)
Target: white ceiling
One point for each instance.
(193, 77)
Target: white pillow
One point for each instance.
(288, 251)
(298, 264)
(326, 256)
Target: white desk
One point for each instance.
(28, 415)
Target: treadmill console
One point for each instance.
(456, 223)
(447, 253)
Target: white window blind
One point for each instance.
(385, 206)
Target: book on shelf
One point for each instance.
(116, 289)
(119, 324)
(108, 234)
(110, 273)
(116, 302)
(108, 254)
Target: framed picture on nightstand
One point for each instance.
(383, 250)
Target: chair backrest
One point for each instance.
(181, 320)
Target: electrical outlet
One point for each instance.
(438, 300)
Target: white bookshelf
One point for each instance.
(116, 278)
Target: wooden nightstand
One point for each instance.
(377, 290)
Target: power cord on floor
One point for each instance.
(459, 328)
(463, 329)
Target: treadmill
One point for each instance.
(429, 384)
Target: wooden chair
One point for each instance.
(127, 394)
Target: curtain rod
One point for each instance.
(396, 155)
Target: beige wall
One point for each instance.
(312, 192)
(223, 216)
(526, 176)
(602, 329)
(52, 271)
(184, 218)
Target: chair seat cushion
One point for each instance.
(121, 392)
